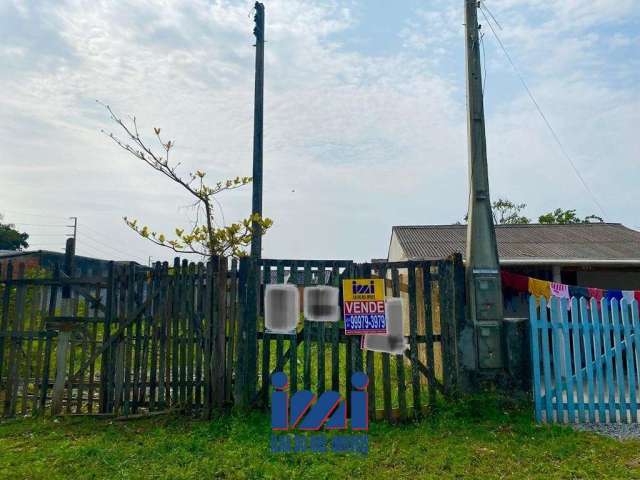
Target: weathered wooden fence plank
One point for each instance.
(630, 345)
(596, 325)
(335, 335)
(320, 331)
(581, 321)
(219, 337)
(307, 326)
(266, 344)
(399, 359)
(293, 342)
(635, 317)
(577, 359)
(13, 367)
(4, 322)
(564, 318)
(413, 343)
(534, 328)
(428, 324)
(617, 338)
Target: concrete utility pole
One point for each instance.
(256, 205)
(75, 227)
(484, 291)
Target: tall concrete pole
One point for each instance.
(484, 291)
(256, 204)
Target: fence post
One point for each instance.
(13, 370)
(105, 364)
(239, 366)
(64, 337)
(449, 341)
(206, 333)
(6, 298)
(247, 343)
(219, 333)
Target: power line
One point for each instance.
(13, 212)
(542, 115)
(85, 227)
(93, 240)
(39, 224)
(99, 245)
(47, 235)
(40, 246)
(483, 6)
(484, 64)
(92, 249)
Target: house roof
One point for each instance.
(590, 243)
(9, 254)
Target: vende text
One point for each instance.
(363, 307)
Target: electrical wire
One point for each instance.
(39, 224)
(84, 236)
(48, 235)
(92, 249)
(83, 227)
(13, 212)
(96, 245)
(484, 64)
(542, 115)
(483, 6)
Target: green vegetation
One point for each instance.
(10, 238)
(506, 212)
(480, 438)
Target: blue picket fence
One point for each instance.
(586, 360)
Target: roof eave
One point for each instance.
(570, 261)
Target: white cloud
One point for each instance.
(354, 142)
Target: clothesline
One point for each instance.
(515, 283)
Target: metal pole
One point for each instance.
(258, 31)
(484, 292)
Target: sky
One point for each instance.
(364, 123)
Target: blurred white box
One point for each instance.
(321, 303)
(281, 308)
(394, 341)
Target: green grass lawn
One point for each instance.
(481, 438)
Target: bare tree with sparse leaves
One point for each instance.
(204, 237)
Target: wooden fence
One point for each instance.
(586, 360)
(191, 337)
(134, 340)
(321, 357)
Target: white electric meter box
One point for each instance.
(321, 303)
(393, 342)
(281, 308)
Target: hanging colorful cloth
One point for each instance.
(560, 290)
(611, 294)
(578, 292)
(596, 293)
(637, 295)
(519, 283)
(539, 288)
(628, 296)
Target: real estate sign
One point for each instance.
(363, 306)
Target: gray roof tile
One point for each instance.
(591, 241)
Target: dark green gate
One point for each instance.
(321, 357)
